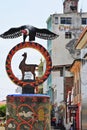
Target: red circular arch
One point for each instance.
(33, 45)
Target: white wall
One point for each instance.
(84, 79)
(58, 89)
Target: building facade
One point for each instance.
(68, 26)
(77, 105)
(82, 86)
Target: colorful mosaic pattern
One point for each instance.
(28, 112)
(36, 46)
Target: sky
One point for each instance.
(23, 12)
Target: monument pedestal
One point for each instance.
(28, 89)
(28, 112)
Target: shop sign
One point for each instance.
(73, 107)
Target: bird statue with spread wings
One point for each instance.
(30, 31)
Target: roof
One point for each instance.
(81, 36)
(2, 102)
(58, 67)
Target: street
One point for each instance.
(52, 128)
(2, 128)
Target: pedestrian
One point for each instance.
(68, 126)
(53, 121)
(72, 127)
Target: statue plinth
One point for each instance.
(28, 112)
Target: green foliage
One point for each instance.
(2, 110)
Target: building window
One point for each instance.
(56, 20)
(68, 35)
(65, 20)
(84, 21)
(61, 72)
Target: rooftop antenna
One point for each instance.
(81, 7)
(81, 12)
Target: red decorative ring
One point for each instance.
(36, 46)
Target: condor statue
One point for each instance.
(30, 31)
